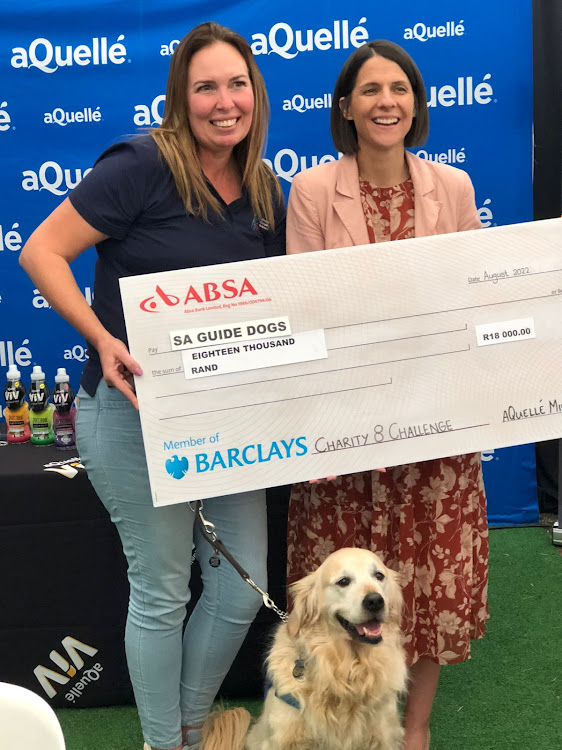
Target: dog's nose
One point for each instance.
(373, 603)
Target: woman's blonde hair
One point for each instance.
(178, 146)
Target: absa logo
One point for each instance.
(208, 292)
(150, 304)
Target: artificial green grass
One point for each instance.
(507, 697)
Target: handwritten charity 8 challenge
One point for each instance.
(272, 371)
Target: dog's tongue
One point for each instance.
(370, 629)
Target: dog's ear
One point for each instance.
(306, 605)
(395, 599)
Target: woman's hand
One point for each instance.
(318, 481)
(118, 366)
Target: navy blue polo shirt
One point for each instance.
(130, 195)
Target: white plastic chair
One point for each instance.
(27, 722)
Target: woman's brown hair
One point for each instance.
(178, 146)
(344, 133)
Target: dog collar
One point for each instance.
(287, 698)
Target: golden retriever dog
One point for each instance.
(336, 668)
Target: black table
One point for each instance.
(64, 587)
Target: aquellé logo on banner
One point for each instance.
(424, 32)
(10, 238)
(283, 40)
(52, 177)
(168, 49)
(41, 303)
(63, 117)
(485, 213)
(464, 92)
(287, 163)
(48, 57)
(450, 156)
(300, 103)
(5, 119)
(150, 115)
(11, 354)
(69, 666)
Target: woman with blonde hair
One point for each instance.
(193, 192)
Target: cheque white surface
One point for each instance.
(268, 372)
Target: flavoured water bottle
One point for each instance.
(41, 413)
(16, 411)
(65, 412)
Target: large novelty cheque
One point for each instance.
(267, 372)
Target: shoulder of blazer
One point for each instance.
(428, 175)
(339, 176)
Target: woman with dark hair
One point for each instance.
(192, 192)
(426, 520)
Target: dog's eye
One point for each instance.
(343, 582)
(379, 576)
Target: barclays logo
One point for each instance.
(177, 467)
(229, 458)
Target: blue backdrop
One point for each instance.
(78, 75)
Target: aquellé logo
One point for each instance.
(11, 354)
(150, 115)
(10, 239)
(5, 119)
(48, 57)
(287, 163)
(462, 93)
(283, 40)
(300, 103)
(424, 32)
(68, 665)
(63, 117)
(52, 177)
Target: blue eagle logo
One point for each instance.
(177, 467)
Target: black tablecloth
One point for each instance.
(64, 589)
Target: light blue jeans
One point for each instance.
(175, 679)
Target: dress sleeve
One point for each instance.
(112, 195)
(304, 230)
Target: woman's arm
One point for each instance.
(46, 258)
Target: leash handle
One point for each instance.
(209, 534)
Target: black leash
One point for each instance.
(208, 530)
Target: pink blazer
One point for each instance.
(325, 206)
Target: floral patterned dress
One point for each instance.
(425, 520)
